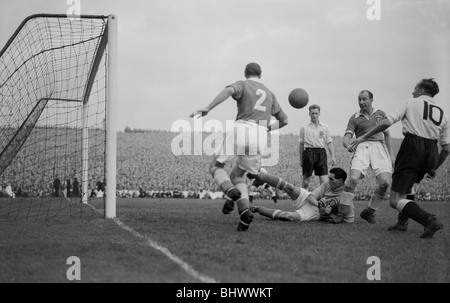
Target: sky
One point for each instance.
(175, 56)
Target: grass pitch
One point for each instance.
(196, 232)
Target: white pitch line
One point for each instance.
(185, 266)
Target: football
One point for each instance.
(298, 98)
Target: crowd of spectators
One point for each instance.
(146, 163)
(147, 167)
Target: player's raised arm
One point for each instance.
(388, 142)
(380, 127)
(331, 149)
(301, 145)
(346, 140)
(349, 132)
(221, 97)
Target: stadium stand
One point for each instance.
(145, 161)
(146, 167)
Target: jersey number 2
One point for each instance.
(431, 112)
(258, 103)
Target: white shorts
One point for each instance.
(371, 154)
(245, 141)
(307, 211)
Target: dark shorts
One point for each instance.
(415, 158)
(315, 160)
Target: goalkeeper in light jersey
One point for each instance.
(320, 204)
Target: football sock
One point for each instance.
(413, 211)
(273, 181)
(402, 219)
(246, 217)
(346, 202)
(370, 210)
(375, 201)
(243, 202)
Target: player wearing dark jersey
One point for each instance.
(424, 126)
(256, 104)
(320, 204)
(375, 153)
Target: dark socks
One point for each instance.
(413, 211)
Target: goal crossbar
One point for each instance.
(14, 35)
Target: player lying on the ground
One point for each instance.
(320, 204)
(257, 185)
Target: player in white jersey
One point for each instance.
(320, 204)
(314, 139)
(256, 105)
(424, 126)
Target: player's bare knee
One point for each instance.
(393, 201)
(393, 204)
(380, 192)
(212, 169)
(351, 184)
(285, 216)
(236, 179)
(292, 216)
(383, 187)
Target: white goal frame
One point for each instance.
(110, 48)
(110, 127)
(111, 118)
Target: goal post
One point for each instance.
(58, 115)
(111, 121)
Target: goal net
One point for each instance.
(55, 116)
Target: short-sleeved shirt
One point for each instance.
(360, 124)
(331, 199)
(255, 102)
(422, 117)
(313, 136)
